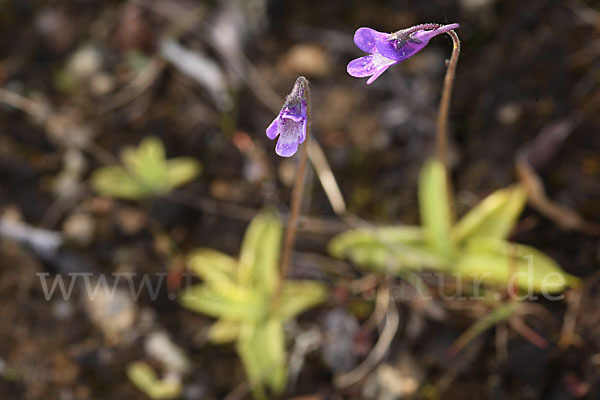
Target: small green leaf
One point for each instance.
(181, 170)
(262, 349)
(144, 377)
(298, 296)
(239, 304)
(259, 258)
(145, 172)
(435, 208)
(500, 263)
(224, 331)
(114, 181)
(495, 216)
(500, 313)
(137, 60)
(147, 164)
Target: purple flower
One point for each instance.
(387, 49)
(291, 122)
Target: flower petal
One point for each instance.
(401, 51)
(368, 65)
(364, 38)
(287, 145)
(360, 67)
(291, 134)
(272, 130)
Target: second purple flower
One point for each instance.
(290, 124)
(387, 49)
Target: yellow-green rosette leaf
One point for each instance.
(500, 263)
(259, 258)
(213, 266)
(224, 331)
(143, 376)
(299, 296)
(386, 249)
(435, 208)
(391, 235)
(262, 350)
(248, 253)
(236, 303)
(495, 216)
(181, 170)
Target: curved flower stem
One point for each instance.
(442, 120)
(292, 225)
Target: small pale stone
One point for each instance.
(390, 382)
(287, 172)
(114, 314)
(130, 220)
(85, 62)
(80, 228)
(160, 346)
(306, 59)
(101, 84)
(509, 113)
(62, 309)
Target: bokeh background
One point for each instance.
(207, 77)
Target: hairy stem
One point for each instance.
(290, 232)
(442, 120)
(416, 28)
